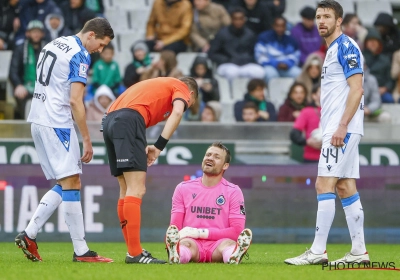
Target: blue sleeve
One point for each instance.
(79, 67)
(350, 58)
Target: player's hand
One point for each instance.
(20, 92)
(195, 233)
(152, 154)
(338, 136)
(87, 151)
(314, 143)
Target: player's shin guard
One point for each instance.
(122, 220)
(132, 216)
(48, 204)
(355, 221)
(325, 215)
(73, 216)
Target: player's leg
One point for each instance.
(120, 207)
(189, 251)
(223, 251)
(325, 187)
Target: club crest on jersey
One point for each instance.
(220, 200)
(83, 70)
(166, 115)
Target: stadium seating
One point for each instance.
(185, 61)
(239, 88)
(118, 19)
(137, 19)
(224, 90)
(293, 8)
(394, 111)
(348, 6)
(227, 113)
(278, 89)
(5, 58)
(368, 10)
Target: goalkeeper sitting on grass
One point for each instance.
(208, 216)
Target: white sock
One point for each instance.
(73, 216)
(355, 221)
(325, 215)
(48, 204)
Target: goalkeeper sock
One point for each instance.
(325, 215)
(132, 217)
(355, 221)
(227, 253)
(48, 204)
(122, 221)
(184, 254)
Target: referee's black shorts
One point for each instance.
(124, 133)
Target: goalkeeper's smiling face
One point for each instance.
(214, 162)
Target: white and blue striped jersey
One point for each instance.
(343, 59)
(61, 62)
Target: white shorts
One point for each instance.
(58, 151)
(341, 162)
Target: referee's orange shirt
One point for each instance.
(153, 98)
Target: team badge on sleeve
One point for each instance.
(83, 68)
(242, 210)
(220, 200)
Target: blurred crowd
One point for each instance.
(233, 39)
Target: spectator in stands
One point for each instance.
(96, 108)
(373, 111)
(193, 113)
(232, 49)
(23, 66)
(76, 14)
(277, 52)
(226, 3)
(306, 34)
(294, 103)
(250, 112)
(96, 6)
(34, 10)
(106, 71)
(255, 93)
(211, 112)
(277, 7)
(208, 19)
(9, 23)
(379, 64)
(389, 33)
(395, 74)
(141, 62)
(55, 27)
(306, 130)
(166, 66)
(311, 73)
(352, 27)
(202, 73)
(258, 14)
(168, 27)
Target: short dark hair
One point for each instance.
(250, 105)
(255, 83)
(279, 17)
(192, 85)
(219, 144)
(332, 4)
(100, 26)
(347, 18)
(237, 9)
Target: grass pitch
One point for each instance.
(266, 262)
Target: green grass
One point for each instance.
(266, 262)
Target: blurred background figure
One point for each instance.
(96, 108)
(306, 130)
(352, 27)
(166, 66)
(250, 112)
(294, 103)
(233, 49)
(310, 74)
(256, 94)
(23, 67)
(258, 14)
(211, 112)
(168, 27)
(277, 52)
(208, 85)
(140, 63)
(9, 23)
(106, 71)
(76, 14)
(306, 34)
(208, 19)
(389, 32)
(55, 27)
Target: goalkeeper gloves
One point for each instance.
(196, 233)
